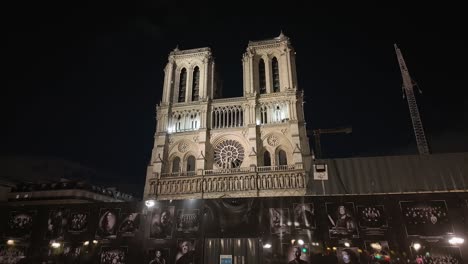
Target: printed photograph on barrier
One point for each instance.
(304, 216)
(188, 220)
(162, 222)
(341, 220)
(113, 255)
(158, 256)
(20, 224)
(372, 219)
(185, 251)
(279, 221)
(78, 222)
(130, 224)
(107, 228)
(426, 218)
(57, 224)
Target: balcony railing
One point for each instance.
(290, 167)
(241, 180)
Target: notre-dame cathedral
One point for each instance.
(207, 146)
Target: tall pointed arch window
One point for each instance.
(182, 85)
(282, 159)
(191, 163)
(176, 165)
(275, 69)
(266, 158)
(262, 76)
(196, 84)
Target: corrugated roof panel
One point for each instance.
(394, 174)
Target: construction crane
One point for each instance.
(408, 85)
(318, 132)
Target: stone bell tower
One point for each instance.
(269, 66)
(249, 146)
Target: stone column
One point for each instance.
(168, 81)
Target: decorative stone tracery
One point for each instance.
(229, 154)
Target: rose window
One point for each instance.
(229, 154)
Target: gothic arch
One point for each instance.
(171, 159)
(274, 142)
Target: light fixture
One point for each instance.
(456, 240)
(95, 241)
(10, 242)
(55, 244)
(267, 245)
(347, 244)
(376, 246)
(334, 248)
(416, 246)
(300, 242)
(150, 203)
(86, 243)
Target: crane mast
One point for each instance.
(413, 107)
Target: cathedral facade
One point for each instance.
(207, 146)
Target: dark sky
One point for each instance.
(83, 78)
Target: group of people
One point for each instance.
(21, 221)
(113, 257)
(370, 214)
(79, 222)
(424, 215)
(444, 259)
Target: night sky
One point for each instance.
(83, 79)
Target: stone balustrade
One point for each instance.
(240, 182)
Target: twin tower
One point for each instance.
(207, 146)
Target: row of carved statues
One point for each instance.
(229, 183)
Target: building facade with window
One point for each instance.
(208, 147)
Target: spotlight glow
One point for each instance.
(300, 242)
(95, 241)
(456, 241)
(416, 246)
(55, 244)
(267, 246)
(86, 243)
(346, 244)
(10, 242)
(150, 203)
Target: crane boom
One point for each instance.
(413, 106)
